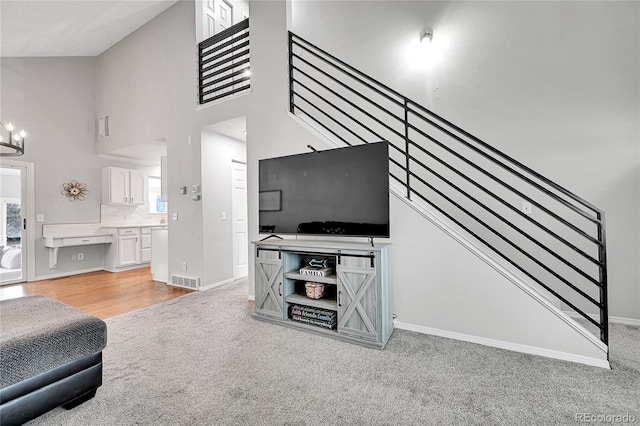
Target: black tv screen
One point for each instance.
(342, 191)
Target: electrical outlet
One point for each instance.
(184, 266)
(526, 208)
(39, 218)
(80, 256)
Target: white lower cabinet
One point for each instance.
(132, 250)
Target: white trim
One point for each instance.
(150, 163)
(596, 317)
(29, 210)
(516, 347)
(68, 274)
(214, 285)
(251, 297)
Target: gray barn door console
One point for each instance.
(356, 302)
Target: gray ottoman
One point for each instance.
(50, 356)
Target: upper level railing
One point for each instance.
(549, 234)
(224, 63)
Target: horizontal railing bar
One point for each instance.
(242, 25)
(226, 77)
(364, 83)
(224, 61)
(506, 185)
(516, 210)
(402, 166)
(398, 179)
(223, 54)
(542, 178)
(326, 114)
(509, 169)
(524, 271)
(230, 92)
(502, 237)
(379, 107)
(325, 127)
(224, 86)
(498, 216)
(212, 49)
(377, 120)
(225, 69)
(448, 123)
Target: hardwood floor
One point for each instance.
(103, 294)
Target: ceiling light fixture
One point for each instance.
(13, 141)
(426, 36)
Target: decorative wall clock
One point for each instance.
(74, 190)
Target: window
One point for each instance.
(156, 205)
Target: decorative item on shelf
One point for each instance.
(314, 290)
(318, 267)
(74, 190)
(13, 141)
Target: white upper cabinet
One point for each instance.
(123, 186)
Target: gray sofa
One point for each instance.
(50, 356)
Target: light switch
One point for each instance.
(174, 216)
(224, 215)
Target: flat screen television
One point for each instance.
(341, 192)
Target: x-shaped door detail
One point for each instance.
(354, 301)
(269, 287)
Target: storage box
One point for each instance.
(314, 290)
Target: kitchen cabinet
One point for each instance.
(132, 249)
(123, 186)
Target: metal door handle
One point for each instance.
(340, 298)
(280, 289)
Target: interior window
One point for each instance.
(156, 205)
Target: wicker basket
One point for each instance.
(314, 290)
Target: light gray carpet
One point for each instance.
(202, 359)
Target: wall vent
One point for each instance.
(188, 282)
(103, 127)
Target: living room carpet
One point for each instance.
(201, 359)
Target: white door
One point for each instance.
(240, 238)
(209, 18)
(225, 12)
(13, 190)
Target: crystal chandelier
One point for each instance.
(12, 143)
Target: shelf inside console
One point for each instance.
(329, 304)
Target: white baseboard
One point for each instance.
(214, 285)
(617, 320)
(67, 274)
(516, 347)
(251, 297)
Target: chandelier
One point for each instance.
(12, 143)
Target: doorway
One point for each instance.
(13, 223)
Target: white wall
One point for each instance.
(553, 84)
(53, 99)
(218, 153)
(148, 82)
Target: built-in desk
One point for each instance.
(66, 235)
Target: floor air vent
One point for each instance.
(188, 282)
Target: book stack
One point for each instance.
(314, 316)
(316, 268)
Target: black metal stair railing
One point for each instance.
(224, 63)
(559, 243)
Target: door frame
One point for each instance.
(27, 207)
(233, 220)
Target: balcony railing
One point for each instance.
(224, 63)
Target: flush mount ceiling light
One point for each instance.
(13, 141)
(426, 36)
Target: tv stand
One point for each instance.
(357, 290)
